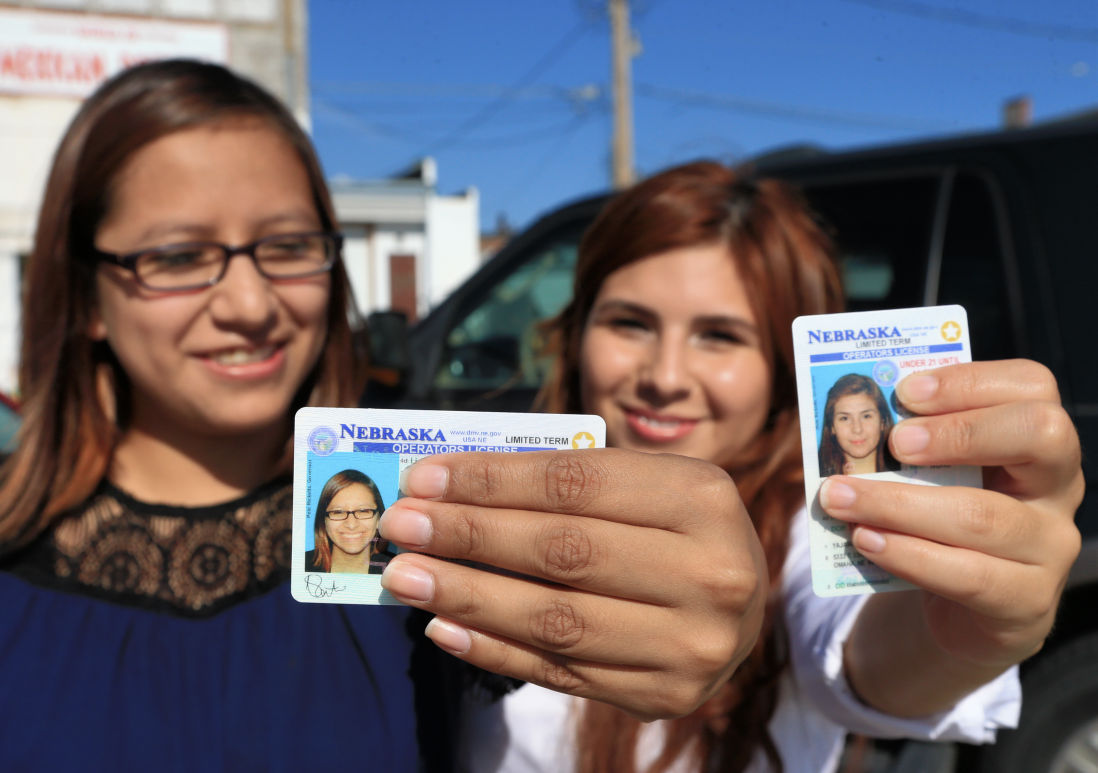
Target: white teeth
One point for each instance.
(658, 423)
(243, 356)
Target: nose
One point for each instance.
(666, 373)
(243, 298)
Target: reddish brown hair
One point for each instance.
(831, 456)
(73, 392)
(786, 261)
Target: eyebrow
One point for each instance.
(616, 305)
(200, 231)
(721, 320)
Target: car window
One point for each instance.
(9, 425)
(974, 270)
(882, 230)
(498, 343)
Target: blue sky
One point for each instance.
(513, 96)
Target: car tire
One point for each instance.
(1058, 729)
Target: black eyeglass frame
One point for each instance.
(129, 260)
(349, 513)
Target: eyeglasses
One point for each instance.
(195, 265)
(360, 514)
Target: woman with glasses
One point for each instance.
(345, 535)
(144, 516)
(185, 295)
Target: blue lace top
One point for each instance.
(136, 636)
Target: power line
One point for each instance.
(554, 151)
(503, 140)
(344, 89)
(590, 96)
(489, 110)
(371, 128)
(984, 21)
(528, 137)
(428, 105)
(777, 110)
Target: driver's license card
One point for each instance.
(848, 366)
(347, 465)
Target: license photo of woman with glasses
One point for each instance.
(345, 527)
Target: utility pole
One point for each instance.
(622, 55)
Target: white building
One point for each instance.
(407, 246)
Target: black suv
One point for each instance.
(1003, 223)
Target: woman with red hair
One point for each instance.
(856, 426)
(678, 335)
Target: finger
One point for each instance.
(1003, 590)
(563, 623)
(1034, 441)
(985, 521)
(589, 553)
(558, 620)
(977, 385)
(610, 483)
(644, 693)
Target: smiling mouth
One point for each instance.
(243, 355)
(659, 428)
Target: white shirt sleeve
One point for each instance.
(818, 629)
(532, 729)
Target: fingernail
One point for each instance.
(836, 494)
(406, 526)
(450, 637)
(919, 387)
(867, 540)
(426, 481)
(408, 582)
(910, 438)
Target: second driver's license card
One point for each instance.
(347, 466)
(848, 366)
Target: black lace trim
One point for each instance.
(188, 561)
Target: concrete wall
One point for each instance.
(366, 253)
(407, 216)
(267, 38)
(445, 245)
(9, 320)
(28, 134)
(454, 230)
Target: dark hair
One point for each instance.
(832, 458)
(322, 543)
(74, 393)
(786, 261)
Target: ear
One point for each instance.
(97, 329)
